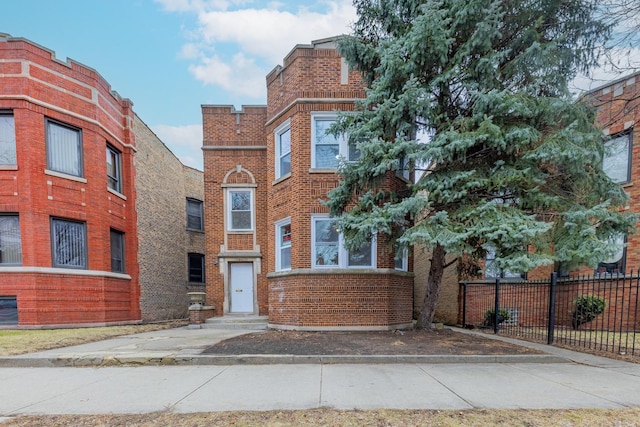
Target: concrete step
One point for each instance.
(237, 321)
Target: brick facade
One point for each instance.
(36, 89)
(163, 185)
(240, 152)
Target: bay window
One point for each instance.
(329, 248)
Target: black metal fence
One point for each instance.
(597, 313)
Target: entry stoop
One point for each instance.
(237, 321)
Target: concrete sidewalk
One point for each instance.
(569, 380)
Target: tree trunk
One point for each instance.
(434, 281)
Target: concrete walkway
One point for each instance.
(572, 380)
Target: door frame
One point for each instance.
(225, 267)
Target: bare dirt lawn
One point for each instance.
(409, 342)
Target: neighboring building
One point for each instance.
(618, 115)
(81, 207)
(617, 107)
(271, 247)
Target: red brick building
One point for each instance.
(69, 249)
(272, 248)
(618, 115)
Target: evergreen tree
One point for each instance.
(512, 164)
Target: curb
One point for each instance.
(268, 359)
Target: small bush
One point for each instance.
(490, 316)
(587, 308)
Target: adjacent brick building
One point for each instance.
(271, 247)
(617, 105)
(80, 205)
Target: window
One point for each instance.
(617, 158)
(194, 215)
(196, 268)
(117, 251)
(64, 149)
(492, 271)
(7, 139)
(616, 263)
(402, 259)
(240, 210)
(283, 150)
(405, 168)
(327, 148)
(114, 176)
(8, 310)
(10, 242)
(329, 248)
(69, 243)
(283, 245)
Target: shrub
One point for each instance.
(490, 316)
(587, 308)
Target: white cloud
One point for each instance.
(241, 76)
(272, 33)
(183, 141)
(235, 46)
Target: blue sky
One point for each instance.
(171, 56)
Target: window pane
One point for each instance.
(616, 263)
(327, 156)
(10, 242)
(322, 135)
(69, 242)
(194, 214)
(196, 268)
(241, 220)
(354, 153)
(63, 149)
(285, 164)
(240, 201)
(326, 243)
(616, 160)
(117, 251)
(326, 232)
(7, 140)
(284, 246)
(285, 235)
(284, 152)
(285, 258)
(113, 169)
(285, 142)
(360, 257)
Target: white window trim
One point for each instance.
(251, 207)
(286, 126)
(628, 133)
(343, 140)
(343, 253)
(405, 261)
(278, 226)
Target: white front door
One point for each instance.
(241, 287)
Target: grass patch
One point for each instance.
(332, 417)
(21, 341)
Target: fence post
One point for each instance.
(496, 319)
(464, 304)
(552, 308)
